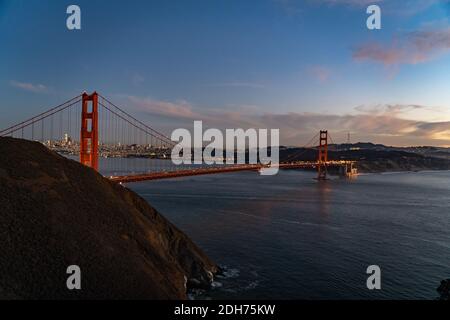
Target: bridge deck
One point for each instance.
(216, 170)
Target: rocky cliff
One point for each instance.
(55, 212)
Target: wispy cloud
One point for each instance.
(390, 7)
(413, 7)
(378, 128)
(137, 79)
(36, 88)
(407, 48)
(238, 84)
(294, 7)
(395, 109)
(179, 109)
(320, 73)
(184, 111)
(290, 7)
(358, 3)
(436, 130)
(381, 123)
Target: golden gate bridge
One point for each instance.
(107, 131)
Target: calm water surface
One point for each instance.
(291, 237)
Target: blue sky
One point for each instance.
(299, 66)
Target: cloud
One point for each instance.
(435, 130)
(36, 88)
(320, 73)
(413, 7)
(359, 3)
(407, 48)
(137, 79)
(180, 109)
(295, 128)
(295, 7)
(290, 7)
(379, 124)
(404, 7)
(393, 109)
(238, 84)
(390, 7)
(183, 110)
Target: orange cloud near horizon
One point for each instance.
(381, 124)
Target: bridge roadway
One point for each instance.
(222, 169)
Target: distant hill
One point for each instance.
(377, 157)
(56, 212)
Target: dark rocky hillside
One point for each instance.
(54, 213)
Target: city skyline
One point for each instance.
(299, 66)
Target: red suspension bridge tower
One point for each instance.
(89, 131)
(323, 155)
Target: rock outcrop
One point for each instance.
(55, 212)
(444, 290)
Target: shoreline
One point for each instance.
(402, 171)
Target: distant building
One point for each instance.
(67, 139)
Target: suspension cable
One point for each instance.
(305, 149)
(10, 129)
(35, 119)
(133, 124)
(161, 136)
